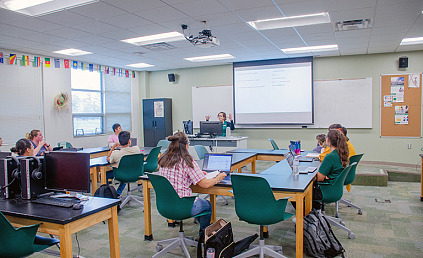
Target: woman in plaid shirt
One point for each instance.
(178, 166)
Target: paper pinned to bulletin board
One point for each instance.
(401, 105)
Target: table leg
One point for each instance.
(308, 199)
(253, 166)
(102, 172)
(93, 176)
(114, 234)
(213, 204)
(299, 225)
(65, 242)
(147, 212)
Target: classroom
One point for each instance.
(370, 43)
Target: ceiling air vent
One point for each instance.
(353, 25)
(159, 46)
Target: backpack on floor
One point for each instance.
(319, 239)
(107, 191)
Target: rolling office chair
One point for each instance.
(332, 192)
(21, 241)
(201, 152)
(256, 204)
(274, 145)
(172, 207)
(131, 167)
(349, 180)
(163, 143)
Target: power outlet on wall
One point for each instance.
(409, 146)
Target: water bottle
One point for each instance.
(295, 166)
(228, 132)
(210, 252)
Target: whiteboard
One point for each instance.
(210, 100)
(347, 102)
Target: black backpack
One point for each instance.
(319, 239)
(107, 191)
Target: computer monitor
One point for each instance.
(188, 128)
(212, 128)
(67, 171)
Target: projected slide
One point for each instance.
(274, 92)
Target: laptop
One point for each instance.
(302, 159)
(302, 169)
(134, 142)
(214, 163)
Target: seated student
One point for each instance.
(222, 118)
(1, 141)
(321, 143)
(114, 137)
(23, 147)
(40, 146)
(114, 156)
(177, 165)
(343, 130)
(333, 164)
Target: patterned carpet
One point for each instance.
(391, 225)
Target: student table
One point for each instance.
(219, 144)
(96, 152)
(63, 222)
(421, 181)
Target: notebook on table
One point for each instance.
(214, 164)
(302, 159)
(303, 169)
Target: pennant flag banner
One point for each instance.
(66, 63)
(57, 63)
(12, 58)
(114, 71)
(91, 67)
(25, 60)
(82, 66)
(133, 74)
(37, 61)
(120, 72)
(47, 62)
(106, 70)
(127, 74)
(98, 68)
(1, 58)
(75, 65)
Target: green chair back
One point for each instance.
(255, 202)
(19, 241)
(131, 167)
(351, 176)
(65, 145)
(152, 160)
(164, 144)
(274, 145)
(168, 202)
(332, 192)
(201, 151)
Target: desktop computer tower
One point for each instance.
(32, 177)
(9, 178)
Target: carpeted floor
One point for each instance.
(391, 225)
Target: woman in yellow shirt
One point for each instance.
(351, 149)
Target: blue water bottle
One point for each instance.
(210, 252)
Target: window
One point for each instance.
(99, 101)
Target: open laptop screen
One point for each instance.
(221, 162)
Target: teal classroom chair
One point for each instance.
(201, 151)
(23, 241)
(332, 192)
(163, 143)
(172, 207)
(131, 167)
(274, 145)
(349, 180)
(256, 204)
(151, 162)
(65, 145)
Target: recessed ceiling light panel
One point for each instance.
(209, 58)
(140, 65)
(290, 21)
(72, 52)
(412, 41)
(299, 50)
(157, 38)
(41, 7)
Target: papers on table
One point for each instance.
(212, 174)
(313, 155)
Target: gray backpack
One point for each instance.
(319, 240)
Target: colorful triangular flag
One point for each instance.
(47, 62)
(127, 74)
(57, 63)
(91, 67)
(120, 72)
(37, 61)
(133, 74)
(75, 65)
(114, 71)
(1, 58)
(66, 63)
(12, 58)
(106, 70)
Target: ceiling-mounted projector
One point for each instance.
(204, 39)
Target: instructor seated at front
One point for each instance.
(222, 118)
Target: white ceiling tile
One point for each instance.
(352, 14)
(119, 34)
(352, 33)
(200, 7)
(380, 49)
(401, 29)
(44, 37)
(243, 4)
(161, 14)
(148, 30)
(353, 51)
(68, 33)
(316, 28)
(135, 5)
(318, 36)
(340, 5)
(411, 8)
(303, 7)
(7, 16)
(36, 24)
(126, 21)
(410, 48)
(390, 21)
(94, 39)
(95, 27)
(98, 10)
(355, 40)
(14, 31)
(393, 38)
(268, 12)
(65, 18)
(71, 44)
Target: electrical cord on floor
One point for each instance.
(79, 249)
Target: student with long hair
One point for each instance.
(178, 166)
(37, 140)
(222, 118)
(23, 147)
(344, 131)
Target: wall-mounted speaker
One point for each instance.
(403, 62)
(171, 77)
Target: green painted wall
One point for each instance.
(358, 66)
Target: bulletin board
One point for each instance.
(400, 114)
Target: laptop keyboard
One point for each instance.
(61, 202)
